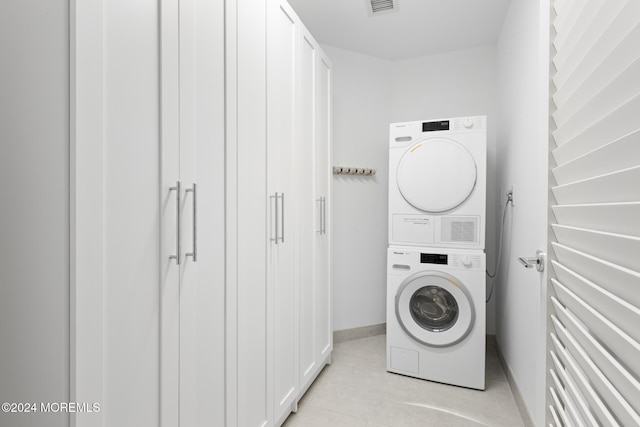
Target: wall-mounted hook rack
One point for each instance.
(352, 170)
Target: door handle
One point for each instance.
(279, 218)
(177, 190)
(319, 203)
(536, 261)
(276, 221)
(194, 247)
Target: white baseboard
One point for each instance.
(515, 391)
(357, 333)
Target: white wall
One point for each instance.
(34, 218)
(453, 84)
(522, 147)
(361, 117)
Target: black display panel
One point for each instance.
(434, 126)
(434, 259)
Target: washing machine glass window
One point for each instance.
(434, 308)
(436, 175)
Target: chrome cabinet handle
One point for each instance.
(276, 222)
(319, 203)
(177, 190)
(536, 261)
(322, 203)
(194, 247)
(279, 218)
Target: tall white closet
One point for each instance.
(198, 211)
(281, 106)
(283, 75)
(313, 188)
(147, 213)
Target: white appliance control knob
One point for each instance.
(468, 124)
(466, 261)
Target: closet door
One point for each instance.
(193, 219)
(249, 341)
(171, 213)
(201, 168)
(322, 173)
(129, 325)
(310, 207)
(282, 298)
(147, 326)
(312, 175)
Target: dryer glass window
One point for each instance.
(434, 308)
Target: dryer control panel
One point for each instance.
(435, 126)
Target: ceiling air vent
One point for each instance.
(378, 7)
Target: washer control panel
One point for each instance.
(453, 260)
(405, 259)
(466, 260)
(434, 258)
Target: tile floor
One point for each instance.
(357, 391)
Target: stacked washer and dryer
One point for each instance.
(436, 284)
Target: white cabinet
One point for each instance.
(323, 281)
(250, 395)
(198, 212)
(192, 213)
(150, 350)
(298, 134)
(282, 286)
(278, 112)
(313, 179)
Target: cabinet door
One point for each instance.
(313, 178)
(130, 330)
(323, 326)
(171, 210)
(282, 299)
(310, 207)
(157, 324)
(251, 403)
(201, 169)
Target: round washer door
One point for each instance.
(436, 175)
(434, 308)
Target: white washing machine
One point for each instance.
(437, 183)
(436, 315)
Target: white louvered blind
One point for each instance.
(594, 335)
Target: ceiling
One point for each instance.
(417, 28)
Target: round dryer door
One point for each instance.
(434, 308)
(436, 175)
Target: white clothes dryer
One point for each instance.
(437, 183)
(436, 315)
